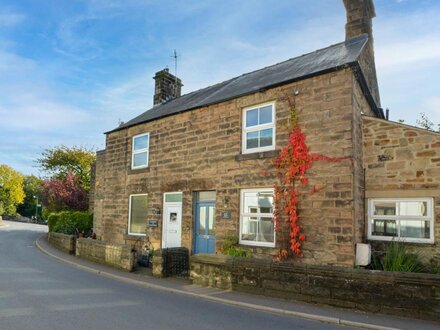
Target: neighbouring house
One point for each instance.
(197, 169)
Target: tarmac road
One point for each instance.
(38, 292)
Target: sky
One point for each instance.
(71, 70)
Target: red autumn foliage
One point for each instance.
(66, 193)
(292, 164)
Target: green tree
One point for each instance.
(33, 189)
(60, 161)
(11, 189)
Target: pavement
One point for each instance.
(330, 315)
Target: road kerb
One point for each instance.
(279, 311)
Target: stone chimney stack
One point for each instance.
(167, 87)
(360, 14)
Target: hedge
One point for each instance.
(70, 222)
(52, 220)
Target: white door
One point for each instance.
(172, 224)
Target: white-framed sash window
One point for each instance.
(259, 128)
(402, 219)
(137, 214)
(256, 217)
(140, 151)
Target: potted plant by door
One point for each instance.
(146, 256)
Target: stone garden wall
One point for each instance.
(62, 242)
(116, 255)
(403, 294)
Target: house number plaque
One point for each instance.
(226, 215)
(152, 223)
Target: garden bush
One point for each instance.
(45, 213)
(52, 220)
(398, 259)
(73, 222)
(230, 247)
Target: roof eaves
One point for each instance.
(360, 77)
(261, 89)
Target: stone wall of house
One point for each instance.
(201, 150)
(92, 188)
(63, 242)
(402, 161)
(360, 106)
(98, 183)
(116, 255)
(380, 292)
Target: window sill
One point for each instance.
(138, 170)
(401, 240)
(140, 237)
(257, 155)
(257, 244)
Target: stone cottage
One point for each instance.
(198, 169)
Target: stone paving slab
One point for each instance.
(328, 314)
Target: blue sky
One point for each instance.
(70, 69)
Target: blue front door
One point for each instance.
(204, 227)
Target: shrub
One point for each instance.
(230, 247)
(73, 222)
(52, 220)
(45, 213)
(398, 259)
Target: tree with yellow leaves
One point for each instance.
(11, 190)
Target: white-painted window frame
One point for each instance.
(129, 215)
(257, 128)
(245, 214)
(140, 151)
(429, 217)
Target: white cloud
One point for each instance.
(34, 114)
(10, 19)
(396, 55)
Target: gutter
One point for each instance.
(360, 77)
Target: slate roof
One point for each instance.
(311, 64)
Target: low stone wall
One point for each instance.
(406, 294)
(62, 242)
(116, 255)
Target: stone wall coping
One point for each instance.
(395, 123)
(61, 235)
(102, 243)
(370, 290)
(332, 271)
(212, 259)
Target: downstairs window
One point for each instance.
(256, 217)
(403, 219)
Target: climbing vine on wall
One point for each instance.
(291, 165)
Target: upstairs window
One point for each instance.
(259, 128)
(405, 219)
(139, 158)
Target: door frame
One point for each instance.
(164, 220)
(195, 226)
